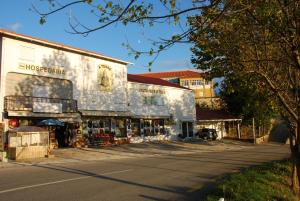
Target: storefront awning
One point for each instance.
(106, 113)
(208, 115)
(28, 114)
(151, 116)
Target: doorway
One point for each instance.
(187, 129)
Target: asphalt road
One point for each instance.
(166, 177)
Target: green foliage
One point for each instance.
(266, 182)
(89, 1)
(42, 20)
(256, 40)
(248, 97)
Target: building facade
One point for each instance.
(198, 82)
(88, 92)
(41, 80)
(159, 108)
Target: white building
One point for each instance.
(86, 90)
(159, 107)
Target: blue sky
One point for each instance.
(15, 15)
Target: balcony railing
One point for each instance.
(29, 103)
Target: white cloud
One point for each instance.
(14, 26)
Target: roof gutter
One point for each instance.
(219, 120)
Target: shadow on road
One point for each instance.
(221, 163)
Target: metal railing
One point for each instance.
(26, 103)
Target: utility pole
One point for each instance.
(239, 130)
(253, 130)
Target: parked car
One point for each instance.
(207, 134)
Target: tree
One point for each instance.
(260, 39)
(146, 13)
(245, 97)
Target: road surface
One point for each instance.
(164, 177)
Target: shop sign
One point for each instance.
(41, 69)
(47, 107)
(12, 123)
(104, 78)
(153, 91)
(1, 137)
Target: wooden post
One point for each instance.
(239, 131)
(253, 130)
(222, 126)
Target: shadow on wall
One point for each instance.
(43, 82)
(280, 132)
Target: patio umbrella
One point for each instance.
(50, 122)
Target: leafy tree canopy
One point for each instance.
(252, 38)
(248, 98)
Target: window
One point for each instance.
(135, 127)
(153, 100)
(147, 100)
(153, 127)
(200, 83)
(185, 83)
(160, 101)
(120, 128)
(196, 83)
(104, 125)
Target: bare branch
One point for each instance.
(58, 9)
(107, 24)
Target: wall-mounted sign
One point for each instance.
(12, 123)
(153, 91)
(104, 78)
(41, 69)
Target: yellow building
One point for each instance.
(198, 82)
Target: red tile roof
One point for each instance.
(58, 45)
(151, 80)
(214, 115)
(180, 74)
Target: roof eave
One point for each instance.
(161, 85)
(217, 120)
(61, 46)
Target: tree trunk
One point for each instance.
(295, 146)
(295, 157)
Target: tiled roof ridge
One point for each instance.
(182, 73)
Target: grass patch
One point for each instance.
(270, 181)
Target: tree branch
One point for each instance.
(280, 96)
(107, 24)
(58, 9)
